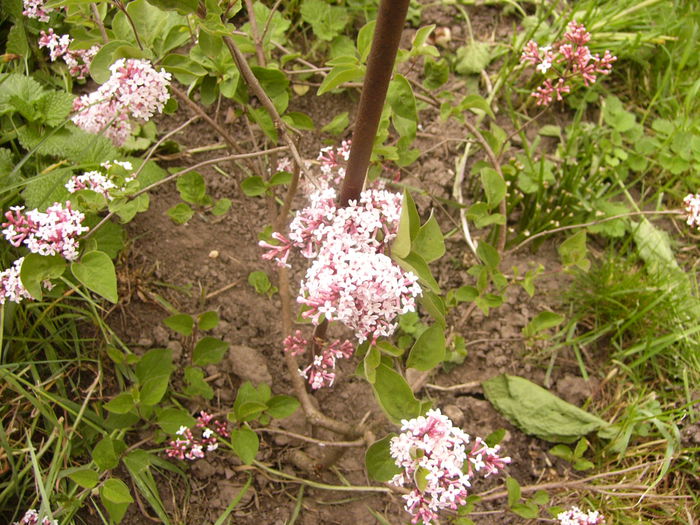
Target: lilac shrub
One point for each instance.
(437, 461)
(11, 287)
(37, 9)
(565, 62)
(102, 183)
(134, 90)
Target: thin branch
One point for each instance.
(593, 223)
(98, 21)
(356, 443)
(259, 52)
(259, 92)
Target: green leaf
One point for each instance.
(85, 478)
(488, 255)
(193, 189)
(394, 395)
(538, 412)
(181, 213)
(299, 120)
(184, 7)
(96, 271)
(280, 178)
(221, 206)
(121, 404)
(476, 102)
(653, 246)
(245, 444)
(171, 419)
(540, 497)
(370, 363)
(209, 351)
(429, 242)
(435, 73)
(282, 406)
(339, 75)
(208, 320)
(403, 105)
(276, 86)
(106, 56)
(327, 21)
(378, 461)
(153, 390)
(338, 124)
(107, 452)
(542, 321)
(495, 437)
(435, 306)
(494, 186)
(254, 186)
(429, 350)
(473, 58)
(37, 268)
(260, 281)
(415, 263)
(466, 294)
(263, 119)
(409, 225)
(156, 362)
(183, 324)
(525, 510)
(116, 498)
(196, 385)
(513, 488)
(250, 401)
(573, 251)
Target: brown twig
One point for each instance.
(257, 40)
(356, 443)
(98, 21)
(259, 92)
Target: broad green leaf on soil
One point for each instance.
(435, 73)
(171, 419)
(121, 404)
(494, 186)
(221, 206)
(153, 390)
(116, 498)
(260, 281)
(542, 321)
(254, 186)
(183, 324)
(434, 305)
(473, 58)
(538, 412)
(513, 488)
(196, 385)
(86, 478)
(208, 320)
(245, 444)
(394, 395)
(107, 452)
(429, 242)
(183, 7)
(96, 271)
(192, 188)
(378, 461)
(573, 251)
(37, 268)
(429, 350)
(209, 351)
(181, 213)
(615, 228)
(282, 406)
(127, 209)
(488, 255)
(154, 363)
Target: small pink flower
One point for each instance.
(37, 10)
(189, 446)
(692, 209)
(11, 287)
(31, 517)
(576, 516)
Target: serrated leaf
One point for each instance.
(327, 20)
(96, 271)
(221, 206)
(181, 213)
(192, 188)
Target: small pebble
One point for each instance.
(213, 254)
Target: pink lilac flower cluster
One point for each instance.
(434, 455)
(575, 516)
(53, 232)
(31, 517)
(320, 372)
(135, 89)
(78, 60)
(692, 209)
(351, 279)
(101, 182)
(189, 446)
(37, 10)
(569, 59)
(11, 287)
